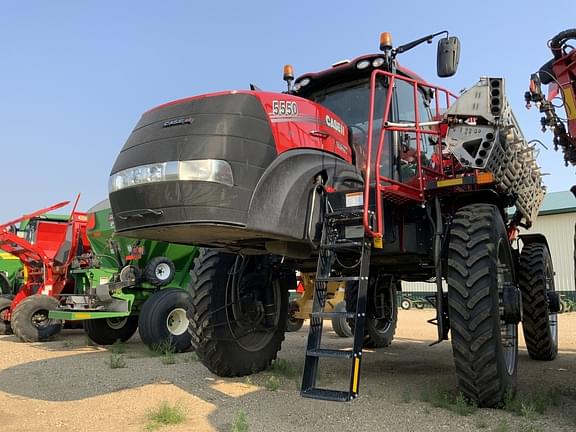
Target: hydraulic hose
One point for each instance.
(557, 42)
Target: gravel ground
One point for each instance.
(68, 385)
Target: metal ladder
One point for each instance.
(330, 244)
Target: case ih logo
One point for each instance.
(334, 124)
(178, 122)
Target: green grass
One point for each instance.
(530, 427)
(118, 347)
(503, 426)
(166, 350)
(284, 368)
(240, 423)
(450, 401)
(406, 397)
(273, 383)
(117, 361)
(190, 358)
(529, 406)
(481, 423)
(163, 415)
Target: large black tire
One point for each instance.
(163, 321)
(381, 310)
(4, 285)
(160, 271)
(293, 324)
(107, 331)
(536, 279)
(230, 336)
(340, 325)
(30, 322)
(5, 327)
(485, 349)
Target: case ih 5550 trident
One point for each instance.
(368, 174)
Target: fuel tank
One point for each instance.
(232, 169)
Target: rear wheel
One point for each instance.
(480, 276)
(5, 327)
(107, 331)
(340, 325)
(293, 324)
(163, 321)
(238, 312)
(381, 310)
(536, 280)
(30, 322)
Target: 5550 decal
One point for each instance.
(284, 108)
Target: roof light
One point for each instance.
(377, 62)
(385, 41)
(288, 73)
(304, 82)
(362, 64)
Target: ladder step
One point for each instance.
(330, 315)
(348, 212)
(325, 394)
(338, 278)
(344, 245)
(334, 353)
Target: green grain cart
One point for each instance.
(124, 284)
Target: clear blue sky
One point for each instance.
(76, 75)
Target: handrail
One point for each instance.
(395, 187)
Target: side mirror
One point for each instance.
(448, 56)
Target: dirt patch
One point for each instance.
(69, 385)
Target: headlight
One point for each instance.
(304, 82)
(363, 64)
(377, 62)
(209, 170)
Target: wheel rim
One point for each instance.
(245, 312)
(116, 323)
(508, 332)
(405, 304)
(40, 319)
(176, 322)
(162, 271)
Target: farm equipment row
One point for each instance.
(76, 269)
(358, 177)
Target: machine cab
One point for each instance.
(390, 116)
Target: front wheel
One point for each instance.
(480, 276)
(107, 331)
(536, 280)
(238, 312)
(163, 321)
(30, 322)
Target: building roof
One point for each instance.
(558, 202)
